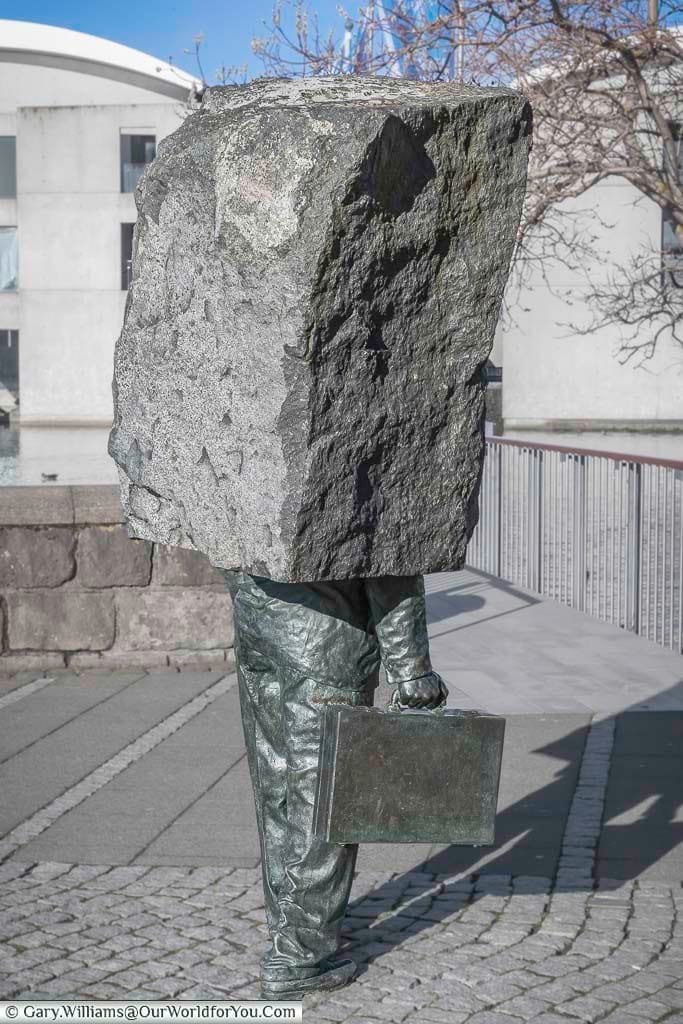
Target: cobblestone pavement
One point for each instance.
(479, 948)
(555, 939)
(487, 950)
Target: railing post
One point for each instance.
(584, 531)
(637, 529)
(499, 546)
(539, 523)
(578, 539)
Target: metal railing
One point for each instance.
(598, 531)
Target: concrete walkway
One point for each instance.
(130, 854)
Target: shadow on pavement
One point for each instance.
(641, 830)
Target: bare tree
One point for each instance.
(605, 79)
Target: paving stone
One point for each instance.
(525, 1006)
(588, 1008)
(361, 1019)
(334, 1012)
(672, 997)
(390, 1010)
(432, 1015)
(491, 1017)
(554, 967)
(651, 980)
(610, 954)
(85, 975)
(498, 990)
(647, 1009)
(551, 1018)
(103, 990)
(450, 995)
(619, 1017)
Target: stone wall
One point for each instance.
(76, 591)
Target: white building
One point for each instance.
(79, 119)
(556, 378)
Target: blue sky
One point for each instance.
(167, 27)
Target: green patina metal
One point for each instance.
(308, 658)
(413, 777)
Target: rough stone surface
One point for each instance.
(174, 619)
(107, 557)
(116, 658)
(145, 932)
(32, 505)
(180, 567)
(57, 586)
(40, 661)
(36, 557)
(318, 269)
(216, 659)
(60, 620)
(97, 503)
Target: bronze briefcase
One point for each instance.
(408, 776)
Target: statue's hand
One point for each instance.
(428, 691)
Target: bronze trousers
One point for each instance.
(306, 880)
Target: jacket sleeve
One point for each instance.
(399, 616)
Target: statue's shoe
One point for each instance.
(289, 983)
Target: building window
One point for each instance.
(9, 361)
(8, 167)
(136, 152)
(126, 255)
(493, 374)
(672, 237)
(672, 233)
(9, 275)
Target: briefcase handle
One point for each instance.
(395, 705)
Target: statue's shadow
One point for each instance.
(641, 833)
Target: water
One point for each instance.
(77, 455)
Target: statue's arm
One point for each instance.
(399, 616)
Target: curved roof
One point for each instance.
(26, 42)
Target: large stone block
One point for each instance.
(108, 557)
(32, 506)
(60, 620)
(97, 503)
(172, 619)
(115, 658)
(318, 270)
(40, 661)
(180, 567)
(220, 659)
(36, 557)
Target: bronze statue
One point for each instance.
(300, 646)
(299, 393)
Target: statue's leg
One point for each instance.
(318, 875)
(260, 696)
